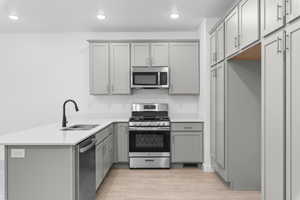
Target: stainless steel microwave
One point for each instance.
(149, 77)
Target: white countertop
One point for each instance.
(53, 135)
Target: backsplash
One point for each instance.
(120, 106)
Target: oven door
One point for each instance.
(149, 143)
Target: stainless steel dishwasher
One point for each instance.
(86, 169)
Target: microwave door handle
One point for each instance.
(158, 81)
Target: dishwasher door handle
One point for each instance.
(87, 147)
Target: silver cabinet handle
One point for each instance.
(287, 42)
(235, 41)
(278, 11)
(288, 7)
(239, 40)
(216, 56)
(279, 50)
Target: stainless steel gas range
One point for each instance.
(149, 136)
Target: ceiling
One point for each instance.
(122, 15)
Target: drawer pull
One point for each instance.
(188, 127)
(149, 160)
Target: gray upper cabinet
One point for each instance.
(140, 54)
(220, 110)
(120, 68)
(184, 68)
(273, 112)
(159, 54)
(232, 32)
(213, 50)
(272, 15)
(292, 9)
(150, 54)
(220, 43)
(123, 142)
(99, 68)
(248, 22)
(213, 113)
(293, 110)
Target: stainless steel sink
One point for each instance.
(80, 127)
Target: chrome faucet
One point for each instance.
(64, 120)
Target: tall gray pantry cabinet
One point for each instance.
(273, 116)
(293, 109)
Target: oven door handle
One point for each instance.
(149, 128)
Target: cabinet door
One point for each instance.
(220, 114)
(184, 68)
(99, 165)
(99, 68)
(187, 147)
(160, 54)
(293, 111)
(231, 32)
(140, 54)
(120, 68)
(273, 117)
(292, 9)
(272, 15)
(220, 34)
(213, 50)
(123, 142)
(212, 113)
(249, 22)
(106, 156)
(110, 150)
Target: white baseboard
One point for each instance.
(207, 167)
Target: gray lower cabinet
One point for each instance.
(273, 113)
(122, 134)
(293, 110)
(43, 172)
(99, 164)
(104, 153)
(187, 142)
(187, 147)
(184, 68)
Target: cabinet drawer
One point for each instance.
(187, 126)
(101, 135)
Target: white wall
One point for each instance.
(39, 71)
(204, 100)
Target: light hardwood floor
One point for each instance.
(174, 184)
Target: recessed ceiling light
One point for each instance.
(13, 17)
(174, 16)
(101, 16)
